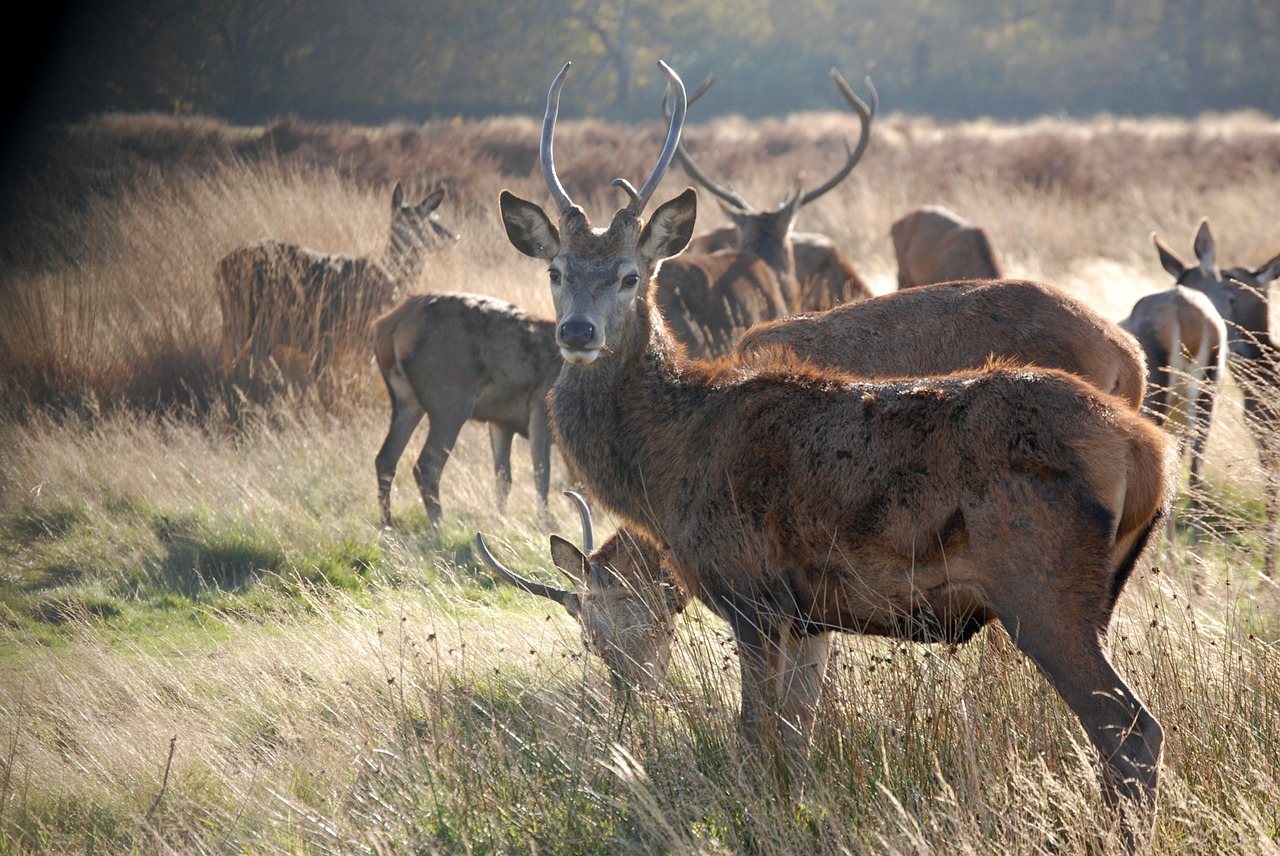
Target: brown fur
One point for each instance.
(934, 244)
(458, 357)
(1243, 297)
(824, 275)
(709, 300)
(952, 326)
(797, 501)
(292, 305)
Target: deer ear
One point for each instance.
(529, 228)
(433, 200)
(569, 559)
(1168, 260)
(397, 196)
(1204, 247)
(1268, 278)
(670, 228)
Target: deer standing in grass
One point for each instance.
(935, 244)
(1244, 299)
(797, 501)
(293, 307)
(625, 598)
(1185, 342)
(458, 357)
(711, 293)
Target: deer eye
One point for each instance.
(554, 275)
(631, 280)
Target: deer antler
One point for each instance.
(545, 156)
(695, 172)
(567, 599)
(865, 113)
(640, 198)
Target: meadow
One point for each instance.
(207, 644)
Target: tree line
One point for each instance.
(250, 60)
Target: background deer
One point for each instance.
(729, 278)
(1242, 297)
(797, 501)
(935, 244)
(1185, 342)
(455, 357)
(931, 330)
(293, 306)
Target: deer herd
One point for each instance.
(803, 458)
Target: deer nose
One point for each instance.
(577, 333)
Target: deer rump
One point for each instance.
(910, 509)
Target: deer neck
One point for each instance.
(603, 416)
(402, 262)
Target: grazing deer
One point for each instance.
(293, 305)
(1242, 297)
(1185, 342)
(456, 357)
(797, 501)
(626, 600)
(931, 330)
(710, 294)
(935, 244)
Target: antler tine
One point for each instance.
(866, 113)
(640, 198)
(560, 596)
(695, 172)
(585, 513)
(545, 156)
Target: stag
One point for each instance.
(626, 600)
(1185, 343)
(293, 305)
(797, 501)
(711, 293)
(932, 330)
(1242, 297)
(813, 272)
(935, 244)
(458, 357)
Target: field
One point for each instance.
(208, 645)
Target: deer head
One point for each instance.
(624, 601)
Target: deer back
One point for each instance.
(934, 244)
(938, 329)
(458, 349)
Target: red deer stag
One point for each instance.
(935, 244)
(1243, 297)
(458, 357)
(627, 601)
(1185, 342)
(796, 501)
(932, 330)
(813, 272)
(293, 306)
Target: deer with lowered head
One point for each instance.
(811, 270)
(458, 357)
(797, 501)
(751, 273)
(1244, 297)
(291, 305)
(935, 244)
(931, 330)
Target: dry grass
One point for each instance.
(181, 563)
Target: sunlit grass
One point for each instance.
(208, 575)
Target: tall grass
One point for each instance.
(207, 645)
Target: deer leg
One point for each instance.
(406, 413)
(1073, 657)
(445, 424)
(500, 443)
(803, 668)
(540, 449)
(1199, 420)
